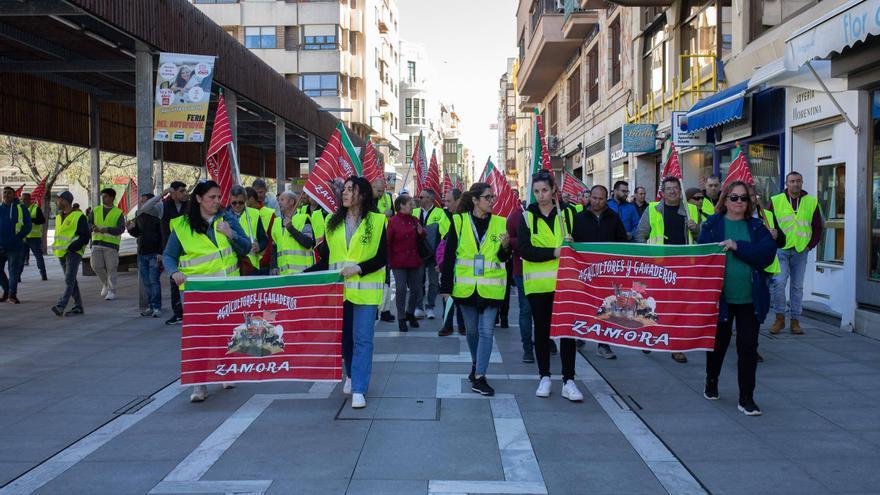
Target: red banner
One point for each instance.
(641, 296)
(252, 329)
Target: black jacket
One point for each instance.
(147, 229)
(607, 228)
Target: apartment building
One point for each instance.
(419, 108)
(508, 113)
(344, 54)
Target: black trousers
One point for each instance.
(746, 347)
(542, 309)
(176, 303)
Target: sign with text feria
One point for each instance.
(183, 92)
(253, 329)
(649, 297)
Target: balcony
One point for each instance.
(383, 27)
(546, 56)
(578, 22)
(356, 21)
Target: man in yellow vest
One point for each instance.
(108, 224)
(798, 216)
(72, 233)
(251, 223)
(711, 194)
(384, 205)
(670, 221)
(293, 237)
(15, 223)
(436, 223)
(34, 239)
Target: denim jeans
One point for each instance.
(10, 261)
(525, 315)
(480, 325)
(454, 314)
(148, 271)
(70, 265)
(358, 325)
(792, 266)
(429, 297)
(35, 245)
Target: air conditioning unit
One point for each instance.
(552, 143)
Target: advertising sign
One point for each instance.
(183, 92)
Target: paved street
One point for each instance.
(91, 405)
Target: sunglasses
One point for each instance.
(488, 197)
(698, 198)
(735, 198)
(236, 203)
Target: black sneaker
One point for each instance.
(4, 297)
(58, 310)
(174, 320)
(711, 390)
(14, 300)
(472, 373)
(401, 326)
(76, 310)
(481, 387)
(748, 407)
(528, 357)
(43, 276)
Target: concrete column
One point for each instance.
(280, 166)
(144, 116)
(232, 113)
(94, 152)
(312, 152)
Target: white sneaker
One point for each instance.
(110, 296)
(419, 314)
(543, 387)
(431, 314)
(200, 393)
(227, 386)
(570, 391)
(157, 313)
(346, 387)
(103, 291)
(358, 401)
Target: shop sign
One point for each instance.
(618, 154)
(737, 129)
(683, 138)
(639, 138)
(808, 105)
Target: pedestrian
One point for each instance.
(356, 246)
(436, 224)
(451, 202)
(525, 312)
(799, 218)
(477, 245)
(404, 232)
(293, 236)
(623, 208)
(166, 207)
(639, 201)
(384, 205)
(148, 232)
(263, 195)
(15, 225)
(745, 297)
(670, 221)
(267, 217)
(34, 239)
(205, 241)
(72, 234)
(710, 195)
(107, 223)
(695, 196)
(599, 223)
(541, 233)
(251, 223)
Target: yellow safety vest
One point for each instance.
(364, 245)
(36, 230)
(658, 229)
(540, 277)
(266, 217)
(492, 283)
(65, 233)
(319, 224)
(437, 216)
(797, 225)
(773, 268)
(293, 257)
(109, 221)
(384, 203)
(708, 207)
(255, 221)
(570, 212)
(201, 256)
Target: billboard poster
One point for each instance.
(183, 92)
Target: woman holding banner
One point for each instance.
(205, 241)
(745, 296)
(540, 235)
(356, 246)
(473, 272)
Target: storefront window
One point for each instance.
(874, 190)
(831, 192)
(763, 161)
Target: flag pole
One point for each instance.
(237, 171)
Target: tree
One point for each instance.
(39, 159)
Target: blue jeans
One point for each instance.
(525, 315)
(792, 266)
(70, 265)
(35, 245)
(480, 326)
(12, 257)
(358, 325)
(148, 271)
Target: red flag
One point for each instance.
(420, 163)
(129, 197)
(39, 191)
(572, 185)
(432, 181)
(338, 162)
(458, 184)
(505, 200)
(739, 170)
(371, 163)
(219, 161)
(447, 183)
(19, 191)
(671, 168)
(545, 154)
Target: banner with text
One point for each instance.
(660, 298)
(183, 92)
(252, 329)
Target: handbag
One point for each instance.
(424, 249)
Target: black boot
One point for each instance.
(411, 319)
(401, 326)
(386, 316)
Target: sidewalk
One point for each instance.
(101, 390)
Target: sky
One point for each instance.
(468, 43)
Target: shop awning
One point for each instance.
(840, 28)
(723, 106)
(776, 75)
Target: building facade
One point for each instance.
(419, 110)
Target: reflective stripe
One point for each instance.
(342, 264)
(487, 265)
(294, 252)
(293, 268)
(480, 281)
(539, 275)
(200, 259)
(364, 286)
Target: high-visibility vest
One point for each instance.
(319, 224)
(658, 229)
(437, 216)
(266, 216)
(251, 232)
(201, 256)
(490, 285)
(570, 212)
(36, 230)
(773, 268)
(384, 203)
(708, 207)
(293, 257)
(797, 225)
(109, 221)
(364, 245)
(65, 233)
(540, 277)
